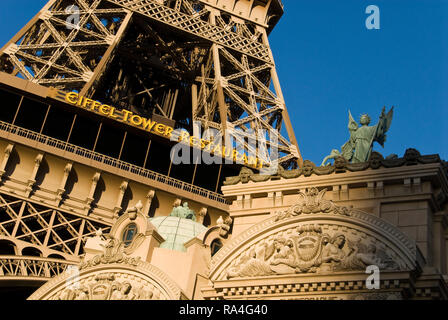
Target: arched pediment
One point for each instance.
(314, 236)
(135, 280)
(113, 274)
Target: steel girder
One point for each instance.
(48, 230)
(182, 59)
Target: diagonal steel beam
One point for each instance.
(194, 25)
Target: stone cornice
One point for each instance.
(297, 285)
(334, 179)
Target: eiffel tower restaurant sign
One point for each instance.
(154, 127)
(125, 116)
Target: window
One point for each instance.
(84, 132)
(9, 102)
(31, 115)
(58, 123)
(110, 141)
(129, 233)
(215, 246)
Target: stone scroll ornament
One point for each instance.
(312, 201)
(114, 252)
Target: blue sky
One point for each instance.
(328, 62)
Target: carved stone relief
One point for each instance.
(312, 201)
(114, 252)
(312, 248)
(110, 286)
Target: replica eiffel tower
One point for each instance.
(72, 164)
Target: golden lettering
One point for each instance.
(105, 109)
(148, 124)
(112, 113)
(160, 128)
(96, 104)
(224, 154)
(204, 143)
(208, 146)
(235, 153)
(87, 102)
(80, 101)
(72, 97)
(245, 159)
(168, 131)
(252, 161)
(126, 115)
(136, 120)
(217, 150)
(194, 141)
(185, 136)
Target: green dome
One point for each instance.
(176, 231)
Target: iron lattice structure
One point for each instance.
(42, 241)
(187, 60)
(44, 228)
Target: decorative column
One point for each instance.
(4, 163)
(32, 178)
(149, 197)
(61, 189)
(201, 215)
(89, 200)
(118, 205)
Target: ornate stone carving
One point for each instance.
(201, 215)
(245, 176)
(32, 179)
(114, 252)
(375, 161)
(118, 206)
(224, 226)
(89, 200)
(312, 202)
(307, 249)
(289, 174)
(124, 278)
(4, 163)
(132, 212)
(105, 286)
(149, 198)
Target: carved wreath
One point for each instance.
(312, 202)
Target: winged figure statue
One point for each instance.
(359, 147)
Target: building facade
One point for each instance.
(315, 233)
(93, 207)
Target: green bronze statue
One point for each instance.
(359, 147)
(183, 212)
